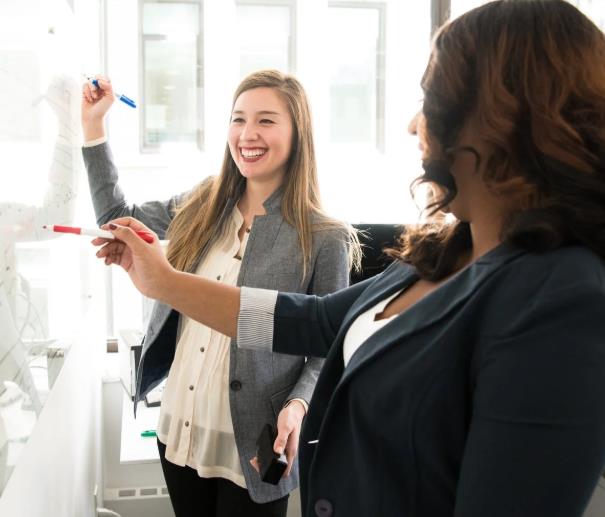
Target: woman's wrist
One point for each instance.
(298, 405)
(169, 286)
(93, 130)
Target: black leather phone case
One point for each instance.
(272, 465)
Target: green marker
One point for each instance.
(148, 434)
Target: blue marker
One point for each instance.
(123, 98)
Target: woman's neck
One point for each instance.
(485, 236)
(252, 201)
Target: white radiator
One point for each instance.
(139, 501)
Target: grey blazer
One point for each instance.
(260, 381)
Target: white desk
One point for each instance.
(135, 448)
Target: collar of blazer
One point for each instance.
(429, 311)
(272, 204)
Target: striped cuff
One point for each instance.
(255, 319)
(97, 141)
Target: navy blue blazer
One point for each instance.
(484, 399)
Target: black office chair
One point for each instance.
(374, 238)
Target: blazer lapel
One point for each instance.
(396, 277)
(430, 310)
(265, 229)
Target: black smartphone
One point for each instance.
(271, 465)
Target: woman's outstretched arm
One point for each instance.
(304, 324)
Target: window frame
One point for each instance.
(440, 13)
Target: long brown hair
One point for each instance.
(203, 216)
(531, 74)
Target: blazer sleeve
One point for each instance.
(292, 323)
(108, 198)
(536, 443)
(330, 274)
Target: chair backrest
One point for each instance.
(374, 238)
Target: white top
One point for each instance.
(364, 326)
(195, 417)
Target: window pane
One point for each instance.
(264, 37)
(170, 92)
(172, 108)
(379, 52)
(353, 64)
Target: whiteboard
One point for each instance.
(41, 164)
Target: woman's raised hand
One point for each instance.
(144, 262)
(96, 102)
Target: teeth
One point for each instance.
(251, 153)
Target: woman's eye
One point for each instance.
(266, 121)
(237, 120)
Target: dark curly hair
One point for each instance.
(532, 75)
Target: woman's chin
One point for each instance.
(249, 172)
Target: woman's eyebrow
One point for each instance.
(262, 112)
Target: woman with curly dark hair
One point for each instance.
(466, 380)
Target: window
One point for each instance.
(356, 60)
(172, 78)
(266, 32)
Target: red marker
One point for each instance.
(95, 232)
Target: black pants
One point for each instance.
(195, 496)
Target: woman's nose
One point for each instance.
(413, 125)
(249, 132)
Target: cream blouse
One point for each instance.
(195, 418)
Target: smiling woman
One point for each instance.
(258, 223)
